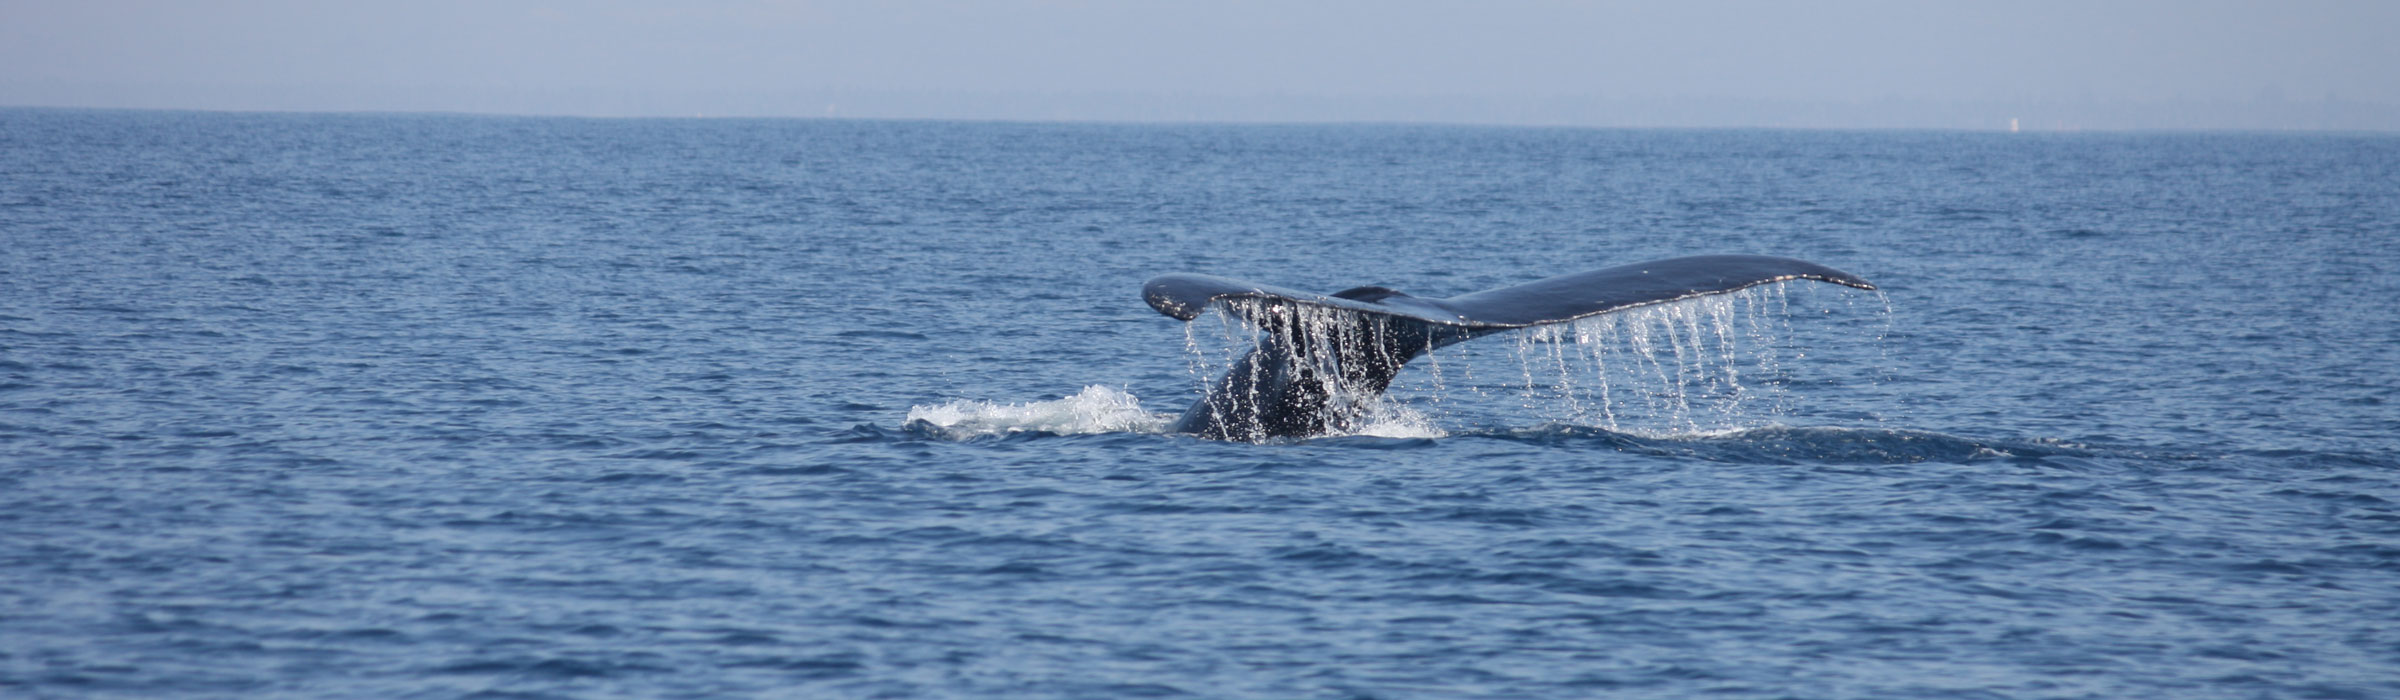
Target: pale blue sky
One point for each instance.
(2087, 64)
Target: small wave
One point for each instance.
(1782, 444)
(1099, 409)
(1096, 409)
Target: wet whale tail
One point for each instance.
(1324, 358)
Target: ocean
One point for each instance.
(436, 406)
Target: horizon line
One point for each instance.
(1730, 125)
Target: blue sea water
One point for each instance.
(452, 406)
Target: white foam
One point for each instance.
(1392, 421)
(1096, 409)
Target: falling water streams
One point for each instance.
(1699, 365)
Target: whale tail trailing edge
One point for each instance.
(1324, 358)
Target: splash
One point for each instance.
(1391, 420)
(1697, 368)
(1096, 409)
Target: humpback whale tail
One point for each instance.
(1323, 358)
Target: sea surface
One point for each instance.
(432, 406)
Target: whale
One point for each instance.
(1322, 359)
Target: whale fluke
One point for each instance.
(1325, 357)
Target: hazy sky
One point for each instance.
(2089, 63)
